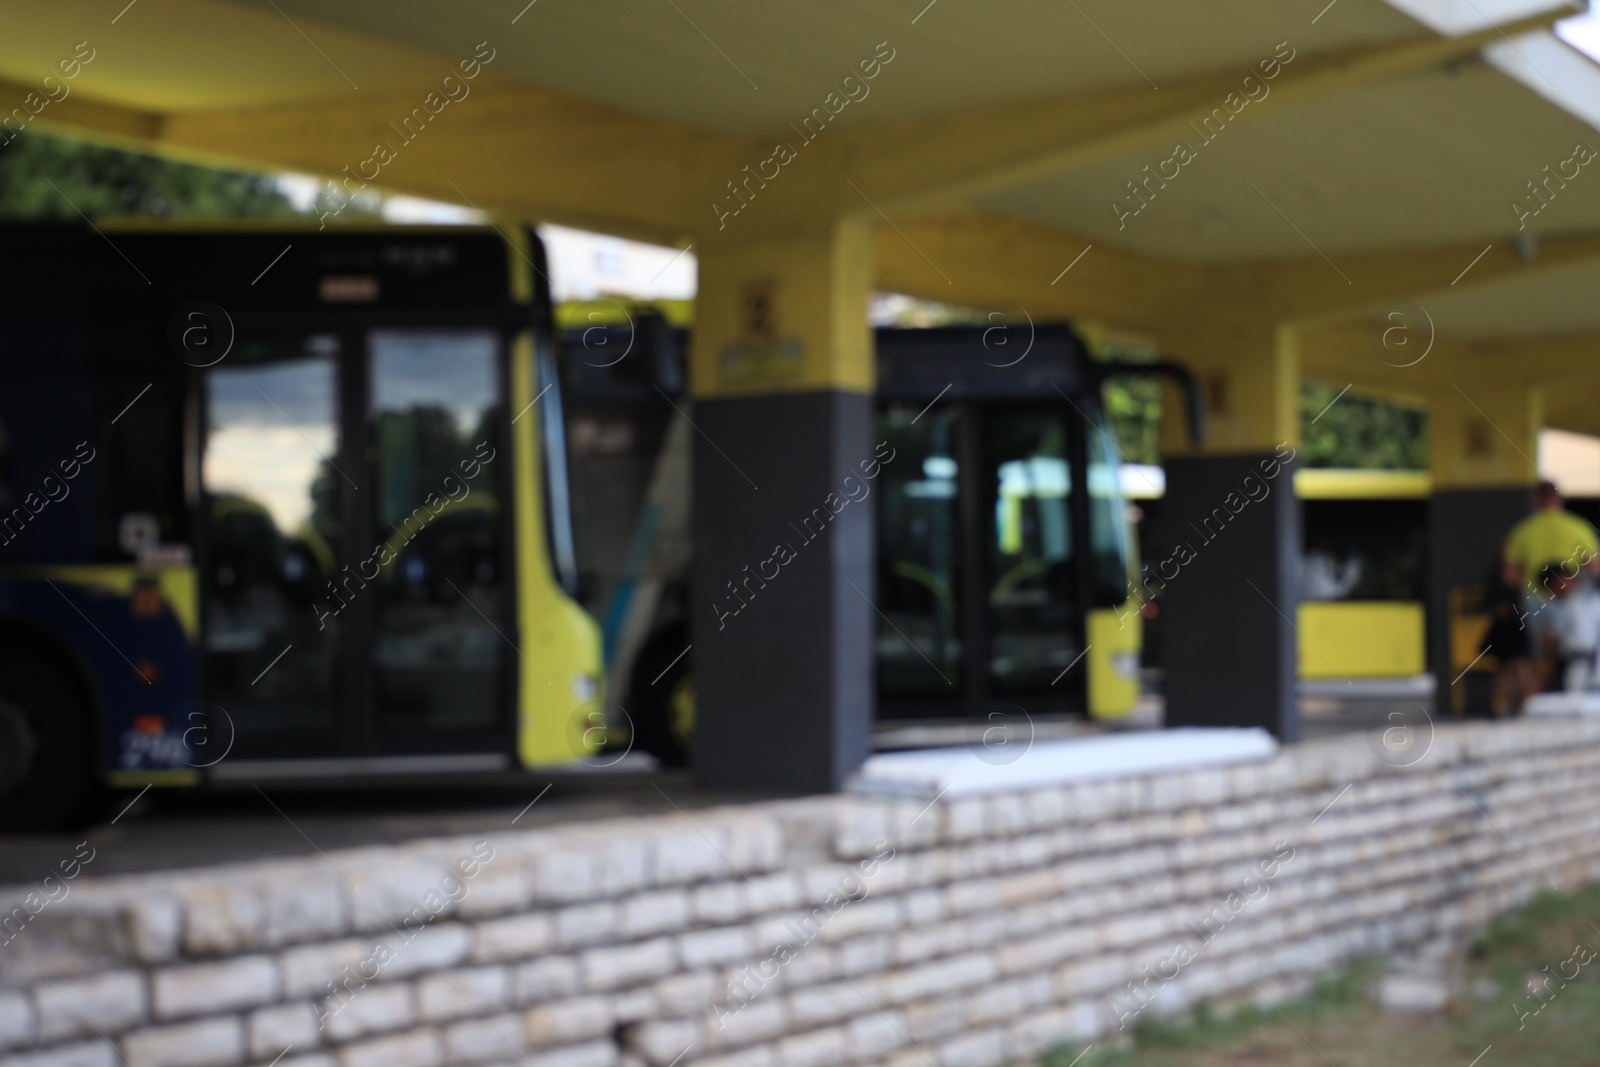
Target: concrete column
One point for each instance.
(1483, 449)
(1231, 530)
(782, 619)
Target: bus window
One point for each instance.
(1108, 514)
(441, 582)
(1364, 550)
(1034, 628)
(272, 506)
(919, 643)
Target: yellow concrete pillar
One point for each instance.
(781, 606)
(1249, 373)
(784, 315)
(1483, 433)
(1229, 532)
(1483, 451)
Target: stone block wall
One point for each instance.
(826, 931)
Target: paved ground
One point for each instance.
(162, 831)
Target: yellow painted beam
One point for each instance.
(1574, 407)
(524, 151)
(1023, 269)
(1031, 273)
(1558, 362)
(1308, 290)
(1352, 354)
(75, 113)
(510, 147)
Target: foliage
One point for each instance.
(1134, 406)
(1360, 431)
(1494, 1004)
(1207, 1028)
(50, 178)
(1516, 939)
(1356, 431)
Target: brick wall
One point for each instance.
(833, 930)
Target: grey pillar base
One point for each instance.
(784, 660)
(1464, 531)
(1230, 648)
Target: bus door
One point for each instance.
(978, 559)
(355, 568)
(1003, 536)
(983, 577)
(1030, 611)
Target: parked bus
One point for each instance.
(293, 498)
(278, 503)
(1003, 548)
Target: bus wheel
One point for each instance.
(663, 698)
(47, 746)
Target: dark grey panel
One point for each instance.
(783, 666)
(1019, 360)
(1230, 542)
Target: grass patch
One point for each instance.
(1504, 1003)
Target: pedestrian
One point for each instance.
(1571, 637)
(1552, 534)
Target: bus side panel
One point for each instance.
(1115, 636)
(48, 467)
(559, 698)
(1362, 639)
(127, 626)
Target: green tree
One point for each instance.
(1360, 431)
(39, 174)
(1133, 404)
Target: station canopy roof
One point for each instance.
(1405, 128)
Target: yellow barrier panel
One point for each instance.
(1366, 639)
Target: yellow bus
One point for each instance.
(1003, 555)
(278, 502)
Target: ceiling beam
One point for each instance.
(1308, 290)
(78, 116)
(1027, 271)
(535, 152)
(531, 153)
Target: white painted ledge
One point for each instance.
(1565, 704)
(974, 769)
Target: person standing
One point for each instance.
(1552, 534)
(1550, 541)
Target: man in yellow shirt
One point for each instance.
(1552, 534)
